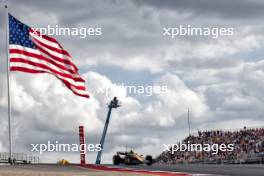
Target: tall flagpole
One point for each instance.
(8, 86)
(189, 125)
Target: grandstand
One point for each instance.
(248, 148)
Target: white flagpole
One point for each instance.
(8, 86)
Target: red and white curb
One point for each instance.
(138, 171)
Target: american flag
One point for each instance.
(32, 52)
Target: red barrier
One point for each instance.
(82, 143)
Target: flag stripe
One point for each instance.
(75, 84)
(37, 54)
(23, 69)
(43, 40)
(15, 53)
(58, 50)
(29, 70)
(29, 61)
(31, 30)
(48, 42)
(60, 59)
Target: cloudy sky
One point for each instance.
(221, 80)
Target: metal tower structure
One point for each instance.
(113, 104)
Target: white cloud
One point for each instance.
(50, 109)
(179, 97)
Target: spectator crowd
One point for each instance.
(248, 148)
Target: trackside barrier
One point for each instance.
(21, 158)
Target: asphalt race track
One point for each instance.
(140, 170)
(55, 170)
(231, 170)
(76, 170)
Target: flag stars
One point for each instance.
(19, 33)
